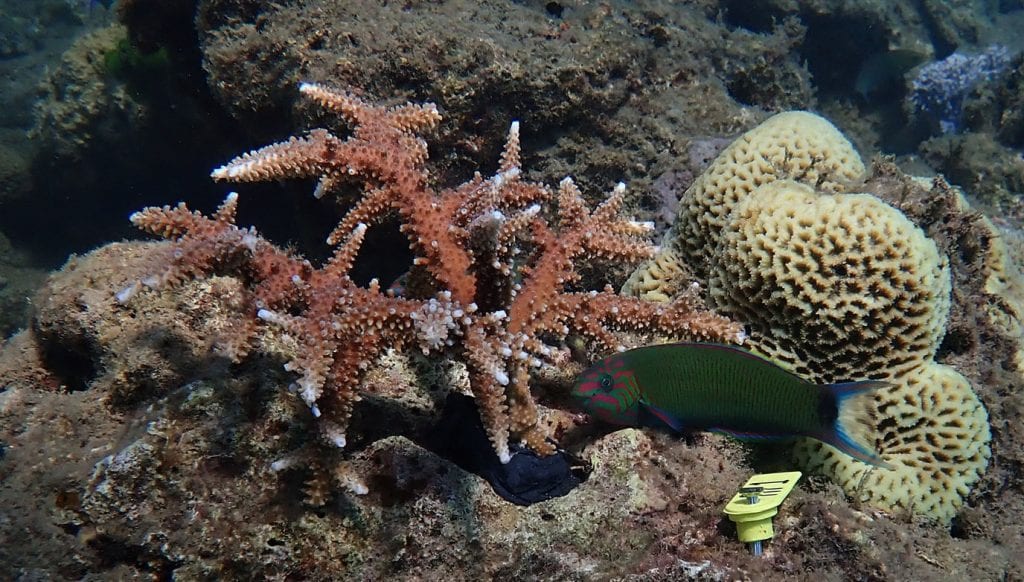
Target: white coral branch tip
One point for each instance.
(334, 435)
(270, 317)
(501, 377)
(281, 464)
(353, 484)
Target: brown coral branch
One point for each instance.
(295, 158)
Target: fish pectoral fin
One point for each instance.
(654, 417)
(749, 436)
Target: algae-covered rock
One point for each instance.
(617, 81)
(132, 352)
(83, 104)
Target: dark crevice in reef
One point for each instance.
(836, 48)
(131, 163)
(749, 15)
(943, 47)
(112, 552)
(71, 363)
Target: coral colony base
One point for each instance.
(495, 265)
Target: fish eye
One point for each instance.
(606, 383)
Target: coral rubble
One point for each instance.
(498, 273)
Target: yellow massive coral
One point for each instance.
(795, 145)
(933, 431)
(1004, 280)
(838, 287)
(844, 287)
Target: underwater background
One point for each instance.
(374, 381)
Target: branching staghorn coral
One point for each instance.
(500, 271)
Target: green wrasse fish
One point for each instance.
(701, 386)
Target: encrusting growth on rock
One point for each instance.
(499, 271)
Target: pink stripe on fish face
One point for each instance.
(587, 389)
(607, 401)
(610, 408)
(589, 382)
(609, 392)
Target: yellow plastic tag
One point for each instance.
(757, 502)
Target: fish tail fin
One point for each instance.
(854, 424)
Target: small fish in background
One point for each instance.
(882, 74)
(720, 388)
(91, 4)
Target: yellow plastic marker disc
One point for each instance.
(757, 502)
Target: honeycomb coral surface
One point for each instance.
(796, 145)
(935, 432)
(838, 286)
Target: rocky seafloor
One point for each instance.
(130, 449)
